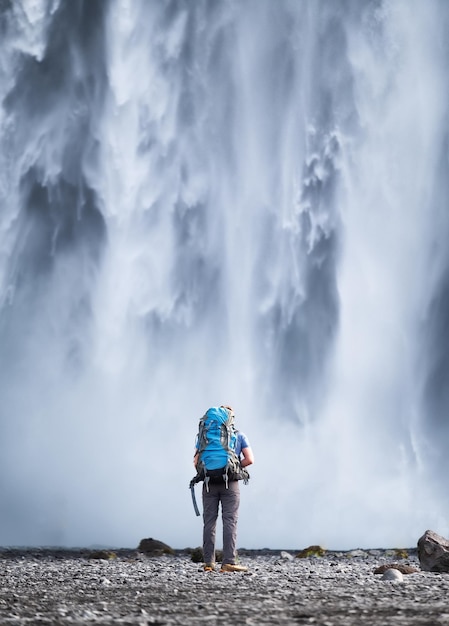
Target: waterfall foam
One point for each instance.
(209, 203)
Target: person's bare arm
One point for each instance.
(195, 459)
(248, 457)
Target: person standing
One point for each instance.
(222, 488)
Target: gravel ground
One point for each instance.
(70, 587)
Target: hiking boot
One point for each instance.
(209, 567)
(232, 567)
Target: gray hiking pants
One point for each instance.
(230, 500)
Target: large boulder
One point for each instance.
(433, 552)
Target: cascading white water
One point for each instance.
(234, 202)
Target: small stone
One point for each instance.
(197, 555)
(311, 551)
(393, 575)
(106, 555)
(357, 553)
(404, 569)
(153, 547)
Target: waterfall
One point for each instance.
(236, 202)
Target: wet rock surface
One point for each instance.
(69, 587)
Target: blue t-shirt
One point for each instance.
(242, 442)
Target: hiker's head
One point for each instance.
(229, 409)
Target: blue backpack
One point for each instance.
(216, 442)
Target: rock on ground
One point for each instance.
(67, 587)
(433, 552)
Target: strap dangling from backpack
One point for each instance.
(226, 478)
